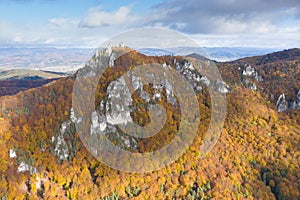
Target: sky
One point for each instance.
(211, 23)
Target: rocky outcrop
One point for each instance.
(190, 73)
(250, 77)
(118, 102)
(61, 150)
(222, 87)
(250, 71)
(115, 109)
(296, 103)
(23, 167)
(284, 105)
(92, 66)
(247, 73)
(197, 80)
(24, 163)
(12, 153)
(65, 144)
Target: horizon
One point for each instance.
(69, 60)
(211, 24)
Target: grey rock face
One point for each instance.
(247, 71)
(118, 102)
(222, 87)
(61, 149)
(98, 59)
(282, 104)
(64, 139)
(116, 108)
(73, 117)
(196, 79)
(296, 104)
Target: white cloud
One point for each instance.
(58, 21)
(234, 26)
(6, 30)
(209, 23)
(216, 16)
(283, 40)
(63, 22)
(97, 17)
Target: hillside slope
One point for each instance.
(14, 81)
(256, 157)
(276, 76)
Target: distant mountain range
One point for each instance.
(71, 59)
(219, 54)
(51, 59)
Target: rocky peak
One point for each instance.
(122, 45)
(247, 71)
(282, 104)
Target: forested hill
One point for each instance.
(256, 157)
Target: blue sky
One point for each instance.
(87, 23)
(39, 11)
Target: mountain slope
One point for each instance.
(276, 75)
(256, 157)
(14, 81)
(21, 74)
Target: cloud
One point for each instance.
(63, 22)
(266, 40)
(57, 32)
(8, 32)
(218, 16)
(96, 17)
(58, 21)
(264, 23)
